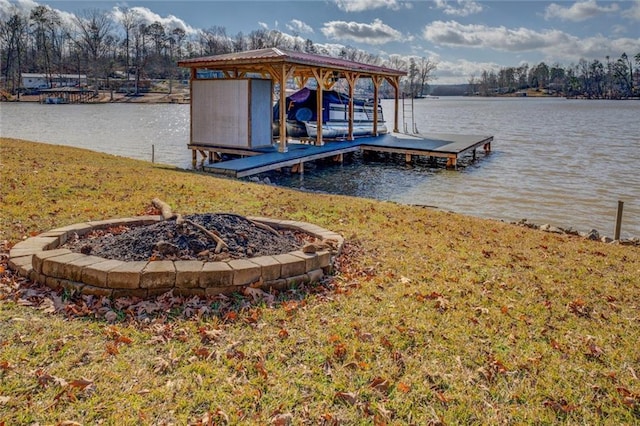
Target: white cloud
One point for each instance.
(634, 11)
(461, 70)
(299, 27)
(329, 49)
(147, 16)
(618, 29)
(459, 8)
(374, 33)
(24, 7)
(362, 5)
(579, 11)
(554, 44)
(452, 33)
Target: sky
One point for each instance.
(463, 37)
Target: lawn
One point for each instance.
(430, 318)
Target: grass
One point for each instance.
(432, 318)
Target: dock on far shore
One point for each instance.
(259, 160)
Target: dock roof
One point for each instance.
(256, 60)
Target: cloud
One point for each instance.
(24, 7)
(263, 25)
(298, 26)
(374, 33)
(147, 16)
(454, 34)
(461, 70)
(464, 7)
(634, 11)
(362, 5)
(579, 11)
(554, 44)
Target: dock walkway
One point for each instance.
(432, 145)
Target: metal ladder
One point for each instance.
(405, 113)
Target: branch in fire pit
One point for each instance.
(167, 214)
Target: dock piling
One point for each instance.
(618, 221)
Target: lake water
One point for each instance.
(557, 161)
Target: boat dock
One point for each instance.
(261, 160)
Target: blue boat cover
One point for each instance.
(301, 105)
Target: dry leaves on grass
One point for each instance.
(169, 306)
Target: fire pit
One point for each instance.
(179, 258)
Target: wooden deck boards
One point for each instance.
(434, 145)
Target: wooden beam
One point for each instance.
(282, 147)
(351, 78)
(377, 80)
(395, 83)
(320, 76)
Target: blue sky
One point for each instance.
(462, 36)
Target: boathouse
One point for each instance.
(236, 89)
(232, 98)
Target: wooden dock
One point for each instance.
(446, 146)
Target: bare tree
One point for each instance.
(13, 34)
(426, 67)
(44, 21)
(128, 21)
(94, 26)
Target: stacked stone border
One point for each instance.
(41, 259)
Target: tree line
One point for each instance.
(613, 79)
(129, 49)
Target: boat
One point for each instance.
(302, 120)
(338, 130)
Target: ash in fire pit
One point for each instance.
(189, 240)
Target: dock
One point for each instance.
(255, 161)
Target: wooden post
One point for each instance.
(352, 78)
(618, 220)
(396, 85)
(282, 147)
(153, 153)
(376, 86)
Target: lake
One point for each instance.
(557, 161)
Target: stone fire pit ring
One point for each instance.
(41, 259)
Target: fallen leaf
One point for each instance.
(348, 397)
(202, 353)
(261, 370)
(403, 387)
(283, 333)
(381, 384)
(284, 419)
(112, 348)
(209, 335)
(81, 383)
(340, 350)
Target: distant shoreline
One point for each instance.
(178, 97)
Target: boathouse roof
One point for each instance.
(258, 59)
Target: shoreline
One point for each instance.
(177, 97)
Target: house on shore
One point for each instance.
(32, 81)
